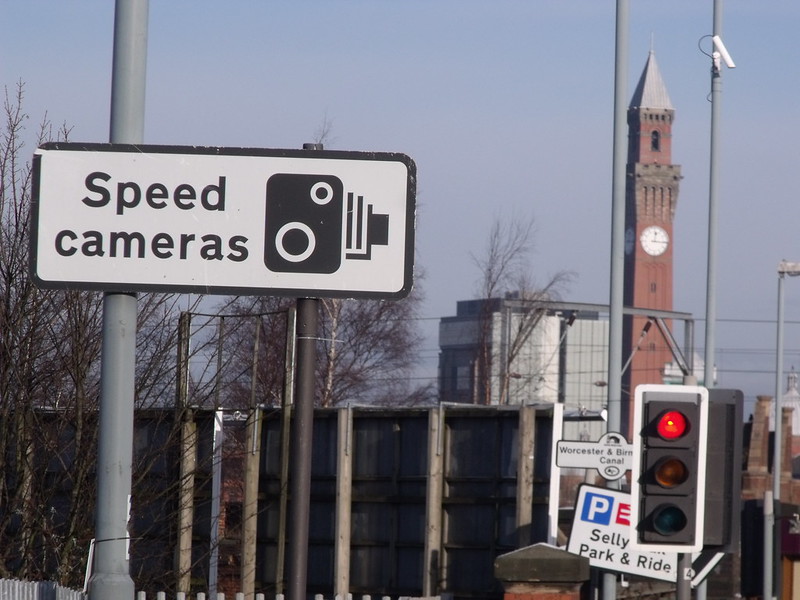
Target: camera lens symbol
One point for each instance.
(309, 243)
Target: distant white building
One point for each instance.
(673, 375)
(513, 351)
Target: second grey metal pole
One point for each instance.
(111, 578)
(617, 244)
(713, 187)
(777, 444)
(111, 575)
(301, 446)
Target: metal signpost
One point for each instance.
(306, 223)
(125, 217)
(111, 578)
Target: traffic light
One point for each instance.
(669, 468)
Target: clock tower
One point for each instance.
(651, 194)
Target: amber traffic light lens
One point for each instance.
(672, 425)
(670, 472)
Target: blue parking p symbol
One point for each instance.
(597, 508)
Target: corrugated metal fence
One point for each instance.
(36, 590)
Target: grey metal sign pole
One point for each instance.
(111, 578)
(301, 446)
(609, 582)
(684, 581)
(302, 439)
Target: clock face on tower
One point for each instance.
(654, 240)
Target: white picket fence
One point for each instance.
(47, 590)
(36, 590)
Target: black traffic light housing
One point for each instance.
(669, 468)
(724, 470)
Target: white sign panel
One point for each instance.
(223, 220)
(611, 455)
(601, 532)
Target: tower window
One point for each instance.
(655, 141)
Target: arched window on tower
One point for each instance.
(655, 141)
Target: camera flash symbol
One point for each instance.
(364, 228)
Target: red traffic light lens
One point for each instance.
(669, 520)
(670, 472)
(672, 425)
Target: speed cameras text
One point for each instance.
(128, 195)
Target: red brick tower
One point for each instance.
(651, 196)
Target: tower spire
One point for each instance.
(651, 92)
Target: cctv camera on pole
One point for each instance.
(721, 52)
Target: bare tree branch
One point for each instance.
(49, 385)
(506, 282)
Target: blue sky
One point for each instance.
(506, 107)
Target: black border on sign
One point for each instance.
(411, 185)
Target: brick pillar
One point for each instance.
(756, 478)
(541, 572)
(786, 454)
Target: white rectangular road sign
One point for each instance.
(601, 532)
(611, 455)
(223, 220)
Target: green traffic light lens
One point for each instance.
(669, 520)
(672, 425)
(670, 472)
